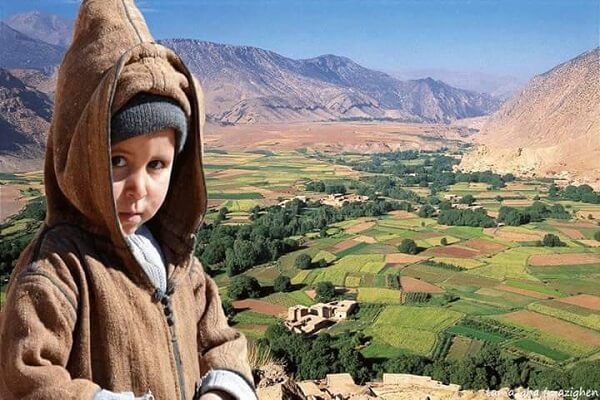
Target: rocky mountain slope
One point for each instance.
(48, 28)
(25, 116)
(551, 128)
(245, 84)
(18, 50)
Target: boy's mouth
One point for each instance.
(130, 217)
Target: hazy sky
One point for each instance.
(508, 37)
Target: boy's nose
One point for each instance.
(136, 188)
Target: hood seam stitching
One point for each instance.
(131, 21)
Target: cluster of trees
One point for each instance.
(426, 211)
(466, 217)
(583, 193)
(266, 238)
(243, 287)
(327, 187)
(490, 368)
(309, 358)
(435, 172)
(417, 297)
(443, 265)
(386, 186)
(536, 212)
(11, 246)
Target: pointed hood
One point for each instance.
(111, 59)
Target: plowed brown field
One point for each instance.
(583, 300)
(564, 259)
(556, 326)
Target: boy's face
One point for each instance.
(141, 168)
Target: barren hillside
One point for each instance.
(551, 128)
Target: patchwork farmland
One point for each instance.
(465, 285)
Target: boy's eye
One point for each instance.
(118, 161)
(156, 164)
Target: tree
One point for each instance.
(228, 308)
(408, 246)
(426, 211)
(467, 199)
(303, 261)
(282, 284)
(222, 214)
(325, 291)
(443, 241)
(597, 235)
(242, 287)
(586, 375)
(241, 257)
(511, 216)
(551, 240)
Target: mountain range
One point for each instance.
(552, 127)
(246, 84)
(537, 131)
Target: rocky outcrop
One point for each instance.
(25, 116)
(392, 387)
(551, 128)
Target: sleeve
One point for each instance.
(36, 335)
(222, 350)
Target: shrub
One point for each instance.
(325, 291)
(303, 261)
(243, 286)
(282, 284)
(408, 246)
(551, 240)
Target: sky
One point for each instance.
(518, 38)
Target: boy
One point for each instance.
(108, 301)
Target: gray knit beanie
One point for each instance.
(146, 113)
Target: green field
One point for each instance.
(378, 295)
(462, 347)
(396, 326)
(532, 346)
(241, 181)
(477, 334)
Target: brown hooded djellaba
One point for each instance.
(81, 315)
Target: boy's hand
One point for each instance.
(216, 395)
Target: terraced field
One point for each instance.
(396, 327)
(538, 301)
